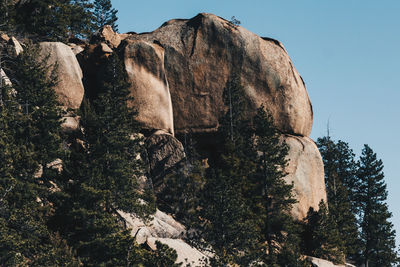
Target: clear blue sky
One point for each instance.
(347, 51)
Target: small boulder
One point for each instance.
(105, 48)
(14, 47)
(4, 37)
(4, 78)
(107, 35)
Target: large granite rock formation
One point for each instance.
(178, 74)
(202, 54)
(69, 88)
(144, 63)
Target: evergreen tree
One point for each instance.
(377, 234)
(341, 184)
(245, 204)
(104, 14)
(182, 192)
(54, 20)
(7, 15)
(321, 235)
(100, 177)
(225, 219)
(272, 197)
(30, 139)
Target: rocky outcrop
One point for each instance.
(144, 63)
(14, 47)
(69, 88)
(165, 229)
(160, 225)
(316, 262)
(186, 254)
(306, 171)
(178, 74)
(106, 34)
(202, 53)
(4, 79)
(164, 153)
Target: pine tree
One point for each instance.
(321, 235)
(245, 191)
(225, 219)
(272, 196)
(340, 179)
(30, 122)
(104, 14)
(54, 20)
(182, 192)
(7, 15)
(377, 234)
(100, 176)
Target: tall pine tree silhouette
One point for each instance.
(100, 176)
(341, 183)
(377, 234)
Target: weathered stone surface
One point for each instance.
(186, 253)
(164, 153)
(202, 53)
(107, 34)
(105, 48)
(69, 88)
(76, 49)
(4, 37)
(70, 124)
(161, 225)
(14, 47)
(144, 63)
(317, 262)
(306, 171)
(4, 78)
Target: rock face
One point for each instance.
(160, 225)
(14, 47)
(316, 262)
(178, 74)
(306, 171)
(69, 88)
(107, 34)
(202, 53)
(186, 254)
(163, 228)
(144, 63)
(164, 153)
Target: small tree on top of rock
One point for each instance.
(104, 14)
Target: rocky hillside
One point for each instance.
(178, 74)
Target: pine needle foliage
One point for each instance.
(30, 123)
(377, 233)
